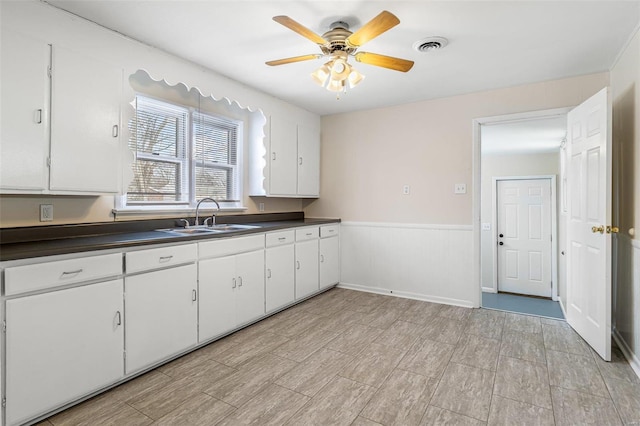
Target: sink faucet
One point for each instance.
(198, 210)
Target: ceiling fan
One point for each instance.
(338, 44)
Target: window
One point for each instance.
(182, 155)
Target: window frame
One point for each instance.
(187, 165)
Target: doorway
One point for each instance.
(516, 154)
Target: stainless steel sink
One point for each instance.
(202, 230)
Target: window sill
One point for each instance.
(164, 211)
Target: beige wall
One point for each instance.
(502, 165)
(625, 89)
(367, 156)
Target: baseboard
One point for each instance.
(406, 295)
(564, 313)
(633, 360)
(489, 290)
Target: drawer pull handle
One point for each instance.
(297, 264)
(239, 281)
(300, 161)
(165, 258)
(67, 273)
(282, 238)
(114, 131)
(194, 295)
(38, 116)
(322, 258)
(308, 234)
(331, 231)
(273, 156)
(118, 318)
(233, 281)
(268, 273)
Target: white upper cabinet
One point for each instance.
(24, 127)
(308, 162)
(292, 166)
(72, 147)
(85, 123)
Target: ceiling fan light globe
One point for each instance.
(335, 85)
(340, 70)
(321, 75)
(355, 78)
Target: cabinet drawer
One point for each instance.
(309, 233)
(144, 260)
(329, 230)
(280, 238)
(21, 279)
(227, 246)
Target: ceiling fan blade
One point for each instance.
(300, 29)
(372, 29)
(390, 62)
(293, 59)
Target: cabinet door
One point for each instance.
(24, 142)
(329, 261)
(60, 346)
(85, 123)
(280, 277)
(306, 268)
(217, 283)
(161, 316)
(283, 165)
(250, 291)
(308, 161)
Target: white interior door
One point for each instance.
(524, 236)
(589, 212)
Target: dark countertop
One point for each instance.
(23, 243)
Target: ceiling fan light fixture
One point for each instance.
(336, 86)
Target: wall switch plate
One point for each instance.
(261, 207)
(486, 226)
(46, 212)
(406, 190)
(460, 188)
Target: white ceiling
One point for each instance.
(492, 44)
(524, 136)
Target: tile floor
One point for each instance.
(354, 358)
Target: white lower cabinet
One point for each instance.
(280, 276)
(61, 346)
(329, 261)
(306, 268)
(231, 292)
(161, 315)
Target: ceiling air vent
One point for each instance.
(430, 44)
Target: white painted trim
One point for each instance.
(633, 360)
(554, 227)
(489, 290)
(477, 177)
(407, 295)
(410, 225)
(564, 313)
(625, 46)
(634, 242)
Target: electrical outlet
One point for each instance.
(261, 207)
(460, 188)
(405, 190)
(46, 212)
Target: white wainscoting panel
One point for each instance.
(426, 262)
(626, 309)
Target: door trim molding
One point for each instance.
(476, 179)
(554, 228)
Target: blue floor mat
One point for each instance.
(522, 305)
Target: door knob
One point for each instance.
(501, 235)
(501, 243)
(596, 229)
(612, 229)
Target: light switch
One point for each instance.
(405, 190)
(460, 188)
(486, 226)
